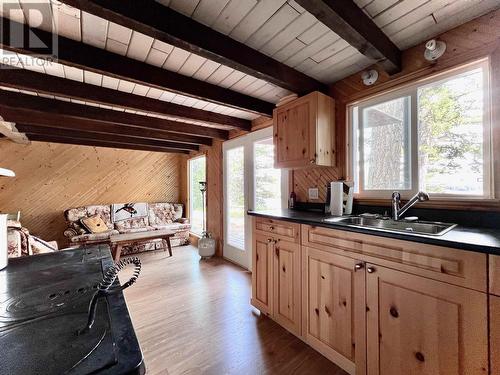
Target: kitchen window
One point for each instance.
(434, 136)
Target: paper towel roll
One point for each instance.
(336, 198)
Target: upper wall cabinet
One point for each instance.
(304, 132)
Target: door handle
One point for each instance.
(371, 269)
(358, 266)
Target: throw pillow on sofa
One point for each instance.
(94, 224)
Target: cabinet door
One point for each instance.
(294, 134)
(287, 285)
(334, 308)
(262, 273)
(421, 326)
(495, 334)
(494, 276)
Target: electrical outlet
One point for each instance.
(313, 193)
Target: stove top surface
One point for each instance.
(43, 303)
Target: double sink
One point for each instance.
(384, 223)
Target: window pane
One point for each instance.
(235, 198)
(267, 179)
(385, 146)
(450, 135)
(197, 173)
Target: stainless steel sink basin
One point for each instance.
(419, 227)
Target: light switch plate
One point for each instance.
(313, 193)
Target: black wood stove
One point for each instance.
(44, 312)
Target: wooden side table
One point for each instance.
(118, 241)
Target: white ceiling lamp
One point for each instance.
(369, 77)
(7, 172)
(434, 49)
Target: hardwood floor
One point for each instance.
(195, 317)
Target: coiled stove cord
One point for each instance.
(105, 284)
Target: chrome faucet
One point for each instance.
(397, 212)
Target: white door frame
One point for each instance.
(244, 258)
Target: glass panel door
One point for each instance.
(267, 179)
(235, 199)
(250, 181)
(197, 173)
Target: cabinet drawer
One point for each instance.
(459, 267)
(291, 231)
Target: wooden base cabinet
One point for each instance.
(262, 273)
(378, 306)
(495, 334)
(334, 308)
(276, 276)
(420, 326)
(287, 289)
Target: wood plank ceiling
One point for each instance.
(138, 70)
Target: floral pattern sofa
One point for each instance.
(21, 243)
(161, 215)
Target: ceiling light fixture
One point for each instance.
(369, 77)
(434, 49)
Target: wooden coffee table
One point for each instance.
(117, 241)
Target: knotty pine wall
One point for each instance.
(466, 43)
(52, 177)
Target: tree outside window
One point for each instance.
(433, 137)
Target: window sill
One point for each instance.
(441, 203)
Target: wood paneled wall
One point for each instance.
(301, 180)
(475, 39)
(52, 177)
(468, 42)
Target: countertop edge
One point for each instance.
(437, 241)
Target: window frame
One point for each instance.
(189, 186)
(411, 90)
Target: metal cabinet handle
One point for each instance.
(271, 227)
(269, 240)
(358, 266)
(371, 269)
(312, 161)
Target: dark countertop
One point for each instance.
(44, 301)
(461, 237)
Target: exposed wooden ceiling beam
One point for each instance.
(348, 21)
(98, 127)
(96, 143)
(12, 102)
(162, 23)
(84, 56)
(123, 139)
(47, 84)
